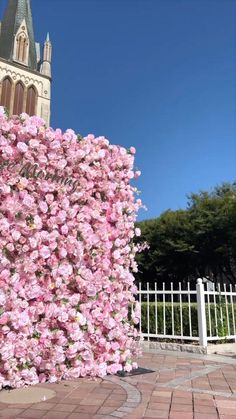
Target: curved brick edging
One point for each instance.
(133, 398)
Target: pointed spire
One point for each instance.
(47, 58)
(16, 12)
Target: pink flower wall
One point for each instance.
(67, 213)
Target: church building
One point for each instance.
(25, 78)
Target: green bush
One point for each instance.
(222, 325)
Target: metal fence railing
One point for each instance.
(202, 313)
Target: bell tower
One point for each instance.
(25, 80)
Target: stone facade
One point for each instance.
(29, 78)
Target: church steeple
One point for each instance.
(17, 20)
(25, 82)
(17, 35)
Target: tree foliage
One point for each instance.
(198, 241)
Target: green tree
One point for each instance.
(198, 241)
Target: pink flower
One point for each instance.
(34, 143)
(128, 367)
(4, 319)
(28, 201)
(81, 319)
(114, 368)
(43, 206)
(33, 242)
(87, 355)
(91, 290)
(61, 164)
(22, 147)
(49, 198)
(137, 174)
(62, 253)
(45, 252)
(3, 298)
(101, 154)
(63, 317)
(137, 232)
(116, 254)
(38, 222)
(65, 269)
(8, 150)
(64, 229)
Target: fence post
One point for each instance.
(201, 310)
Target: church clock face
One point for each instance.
(24, 76)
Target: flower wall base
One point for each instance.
(67, 213)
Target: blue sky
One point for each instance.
(158, 75)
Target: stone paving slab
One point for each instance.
(182, 386)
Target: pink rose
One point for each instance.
(45, 252)
(22, 147)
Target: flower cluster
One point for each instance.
(66, 255)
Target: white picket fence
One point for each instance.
(205, 313)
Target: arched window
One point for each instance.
(18, 99)
(6, 93)
(22, 48)
(31, 101)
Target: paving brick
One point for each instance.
(227, 416)
(10, 412)
(157, 399)
(61, 407)
(162, 393)
(33, 414)
(226, 404)
(205, 409)
(139, 411)
(159, 415)
(180, 415)
(204, 402)
(71, 400)
(153, 414)
(181, 408)
(159, 406)
(182, 400)
(80, 416)
(91, 402)
(182, 394)
(229, 412)
(56, 415)
(113, 403)
(117, 397)
(203, 396)
(87, 409)
(205, 416)
(105, 410)
(16, 406)
(43, 406)
(97, 416)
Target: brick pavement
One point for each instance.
(182, 386)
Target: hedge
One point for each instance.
(222, 325)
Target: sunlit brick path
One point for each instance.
(182, 386)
